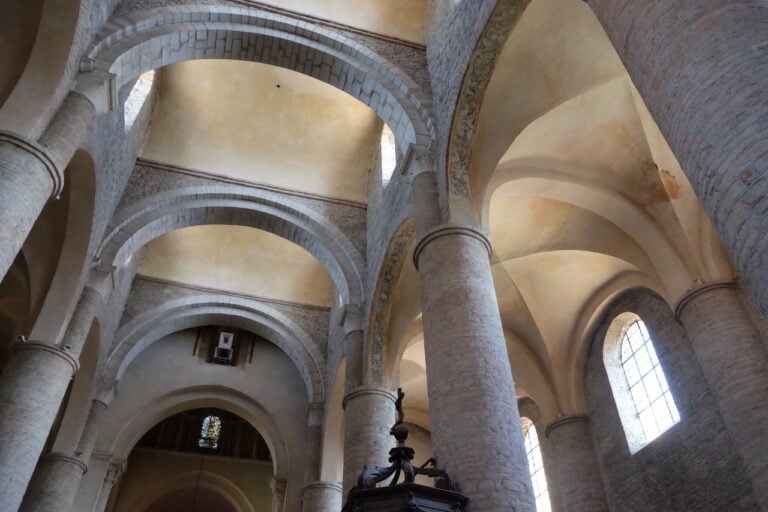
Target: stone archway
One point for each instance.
(146, 40)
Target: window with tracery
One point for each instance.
(536, 466)
(647, 383)
(209, 432)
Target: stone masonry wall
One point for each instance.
(692, 466)
(114, 151)
(149, 179)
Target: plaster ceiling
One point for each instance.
(581, 197)
(241, 260)
(403, 19)
(263, 124)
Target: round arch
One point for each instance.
(203, 397)
(159, 214)
(207, 480)
(144, 40)
(179, 314)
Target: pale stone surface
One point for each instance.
(573, 473)
(734, 362)
(321, 497)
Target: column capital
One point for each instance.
(448, 230)
(352, 319)
(53, 349)
(65, 458)
(698, 291)
(333, 486)
(365, 391)
(40, 153)
(564, 420)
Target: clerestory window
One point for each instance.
(209, 432)
(640, 388)
(648, 386)
(536, 466)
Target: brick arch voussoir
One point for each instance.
(178, 314)
(137, 225)
(151, 39)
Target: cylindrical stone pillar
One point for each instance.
(33, 172)
(573, 473)
(735, 363)
(673, 52)
(278, 486)
(32, 387)
(369, 414)
(476, 432)
(314, 443)
(56, 480)
(321, 497)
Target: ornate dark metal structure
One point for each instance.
(406, 496)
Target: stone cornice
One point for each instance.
(41, 154)
(53, 349)
(331, 24)
(697, 291)
(246, 183)
(66, 458)
(216, 291)
(335, 486)
(441, 231)
(571, 418)
(363, 391)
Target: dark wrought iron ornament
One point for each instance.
(405, 496)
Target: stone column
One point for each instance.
(369, 412)
(314, 444)
(573, 473)
(32, 387)
(476, 432)
(321, 497)
(735, 363)
(56, 480)
(32, 172)
(278, 486)
(673, 52)
(114, 472)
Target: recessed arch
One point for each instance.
(254, 316)
(207, 480)
(199, 397)
(144, 40)
(147, 219)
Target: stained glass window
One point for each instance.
(209, 432)
(648, 387)
(536, 467)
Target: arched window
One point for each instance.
(388, 154)
(209, 432)
(536, 466)
(647, 384)
(639, 386)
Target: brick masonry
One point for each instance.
(692, 466)
(692, 62)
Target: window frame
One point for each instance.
(625, 404)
